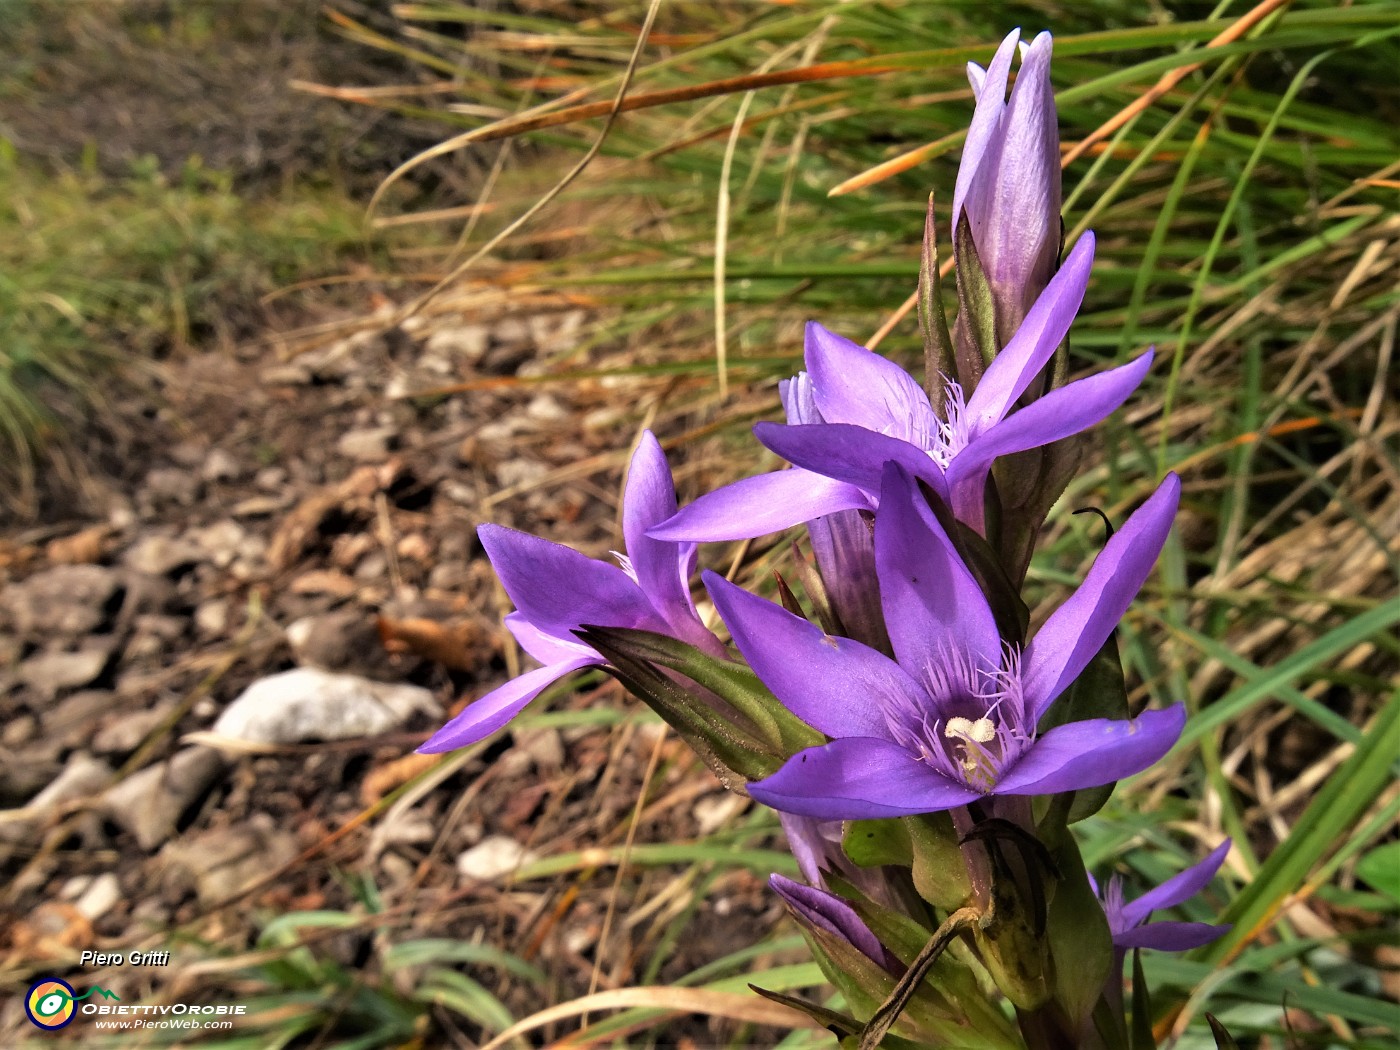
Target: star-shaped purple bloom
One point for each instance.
(556, 590)
(953, 717)
(1127, 920)
(873, 412)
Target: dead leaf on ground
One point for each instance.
(81, 548)
(462, 645)
(302, 524)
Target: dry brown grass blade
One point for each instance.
(898, 165)
(735, 1007)
(1170, 79)
(539, 118)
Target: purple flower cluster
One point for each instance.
(918, 692)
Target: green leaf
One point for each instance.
(1380, 869)
(1347, 793)
(1081, 947)
(732, 752)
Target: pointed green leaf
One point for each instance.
(1143, 1039)
(977, 308)
(1223, 1039)
(939, 362)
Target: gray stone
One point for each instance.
(163, 555)
(49, 674)
(149, 803)
(74, 718)
(122, 734)
(310, 704)
(82, 776)
(222, 862)
(69, 600)
(172, 485)
(100, 897)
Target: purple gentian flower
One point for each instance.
(556, 590)
(823, 910)
(874, 412)
(1127, 921)
(1009, 178)
(952, 719)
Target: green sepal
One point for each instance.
(1077, 934)
(976, 302)
(939, 871)
(1223, 1039)
(1143, 1039)
(735, 683)
(939, 361)
(866, 985)
(1098, 692)
(1013, 952)
(732, 752)
(870, 843)
(950, 983)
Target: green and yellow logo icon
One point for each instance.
(49, 1003)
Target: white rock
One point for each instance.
(367, 446)
(713, 812)
(100, 897)
(469, 341)
(492, 858)
(310, 704)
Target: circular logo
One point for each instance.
(49, 1003)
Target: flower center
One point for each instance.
(949, 435)
(974, 725)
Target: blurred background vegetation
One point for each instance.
(1247, 227)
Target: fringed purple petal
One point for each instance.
(557, 588)
(1068, 640)
(499, 706)
(933, 606)
(1061, 413)
(1093, 752)
(849, 453)
(858, 778)
(833, 684)
(1170, 936)
(1034, 342)
(759, 505)
(851, 384)
(662, 567)
(1178, 888)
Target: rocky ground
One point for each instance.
(208, 688)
